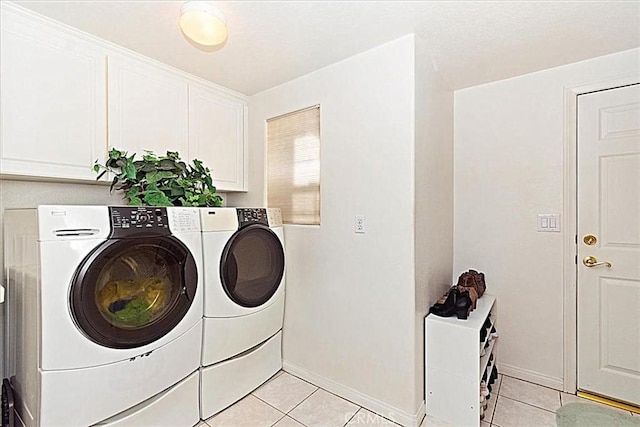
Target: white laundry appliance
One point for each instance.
(105, 315)
(244, 276)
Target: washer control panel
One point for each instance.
(248, 216)
(127, 221)
(275, 217)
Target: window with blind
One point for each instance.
(293, 165)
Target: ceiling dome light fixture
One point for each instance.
(203, 23)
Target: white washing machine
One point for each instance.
(105, 315)
(244, 276)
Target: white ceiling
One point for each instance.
(271, 42)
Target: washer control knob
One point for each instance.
(142, 218)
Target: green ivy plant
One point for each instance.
(159, 180)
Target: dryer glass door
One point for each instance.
(252, 265)
(130, 292)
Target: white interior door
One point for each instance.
(609, 210)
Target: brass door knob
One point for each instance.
(591, 261)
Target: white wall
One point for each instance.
(508, 162)
(349, 322)
(433, 195)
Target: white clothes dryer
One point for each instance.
(105, 314)
(244, 274)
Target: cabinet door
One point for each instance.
(147, 108)
(53, 101)
(216, 136)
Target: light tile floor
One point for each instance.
(288, 401)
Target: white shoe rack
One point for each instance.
(454, 366)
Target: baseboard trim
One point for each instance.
(372, 404)
(531, 376)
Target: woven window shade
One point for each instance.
(293, 166)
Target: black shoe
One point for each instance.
(449, 295)
(448, 308)
(487, 323)
(457, 303)
(483, 334)
(463, 305)
(494, 373)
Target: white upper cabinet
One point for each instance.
(216, 136)
(53, 101)
(68, 97)
(148, 108)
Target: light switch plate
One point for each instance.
(549, 223)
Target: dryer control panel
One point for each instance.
(129, 221)
(248, 216)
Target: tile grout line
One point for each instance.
(285, 414)
(352, 416)
(528, 404)
(301, 379)
(267, 403)
(529, 382)
(495, 405)
(326, 391)
(346, 400)
(499, 385)
(495, 394)
(303, 400)
(279, 419)
(235, 403)
(333, 394)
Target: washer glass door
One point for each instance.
(252, 265)
(130, 292)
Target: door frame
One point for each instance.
(569, 250)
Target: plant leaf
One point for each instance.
(133, 192)
(147, 167)
(167, 164)
(157, 198)
(160, 180)
(130, 171)
(135, 201)
(176, 191)
(116, 154)
(155, 176)
(149, 157)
